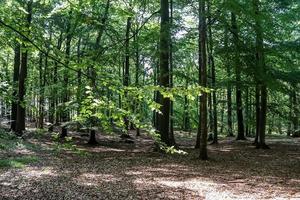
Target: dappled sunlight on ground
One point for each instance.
(113, 170)
(37, 172)
(89, 179)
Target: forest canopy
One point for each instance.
(144, 99)
(226, 67)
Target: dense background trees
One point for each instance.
(108, 64)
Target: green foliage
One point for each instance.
(97, 98)
(66, 144)
(8, 144)
(17, 162)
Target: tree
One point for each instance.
(20, 124)
(261, 84)
(203, 81)
(229, 87)
(163, 122)
(213, 76)
(17, 61)
(237, 63)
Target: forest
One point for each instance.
(140, 99)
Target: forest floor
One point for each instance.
(40, 168)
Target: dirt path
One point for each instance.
(116, 170)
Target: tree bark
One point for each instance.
(247, 112)
(41, 94)
(295, 111)
(172, 138)
(66, 96)
(203, 80)
(239, 103)
(262, 86)
(56, 114)
(257, 108)
(92, 140)
(137, 74)
(229, 90)
(127, 67)
(163, 121)
(14, 105)
(20, 124)
(213, 77)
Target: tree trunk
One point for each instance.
(163, 121)
(14, 105)
(56, 114)
(262, 119)
(65, 113)
(186, 117)
(229, 92)
(262, 86)
(127, 67)
(20, 123)
(41, 95)
(203, 80)
(250, 118)
(172, 138)
(213, 77)
(289, 125)
(137, 74)
(295, 111)
(247, 112)
(257, 107)
(239, 104)
(222, 117)
(92, 140)
(79, 78)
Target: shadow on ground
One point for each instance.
(112, 170)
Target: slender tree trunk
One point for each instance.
(198, 137)
(257, 107)
(239, 104)
(262, 118)
(229, 91)
(295, 111)
(222, 117)
(203, 78)
(155, 95)
(127, 67)
(262, 84)
(210, 113)
(20, 124)
(65, 114)
(289, 125)
(41, 94)
(172, 138)
(55, 112)
(247, 112)
(213, 77)
(250, 116)
(79, 78)
(186, 117)
(14, 105)
(137, 74)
